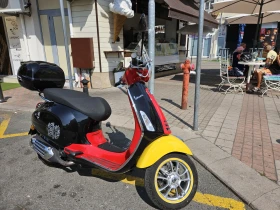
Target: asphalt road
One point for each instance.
(27, 184)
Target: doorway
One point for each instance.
(53, 36)
(5, 63)
(206, 47)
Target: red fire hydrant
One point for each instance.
(186, 67)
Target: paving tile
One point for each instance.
(268, 200)
(215, 123)
(237, 155)
(206, 152)
(277, 164)
(228, 131)
(271, 176)
(211, 139)
(230, 126)
(258, 168)
(224, 143)
(220, 120)
(213, 128)
(210, 133)
(226, 149)
(227, 137)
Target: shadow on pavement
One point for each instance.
(135, 176)
(178, 118)
(7, 98)
(116, 137)
(209, 77)
(171, 102)
(123, 90)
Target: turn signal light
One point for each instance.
(38, 105)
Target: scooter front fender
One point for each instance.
(161, 147)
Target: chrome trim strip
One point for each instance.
(136, 111)
(45, 151)
(42, 97)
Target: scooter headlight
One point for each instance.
(147, 121)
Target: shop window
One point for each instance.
(183, 40)
(208, 5)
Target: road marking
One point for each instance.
(206, 199)
(3, 127)
(213, 200)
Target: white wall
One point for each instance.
(84, 25)
(31, 48)
(34, 38)
(15, 41)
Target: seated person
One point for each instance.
(244, 46)
(237, 69)
(272, 66)
(264, 54)
(275, 66)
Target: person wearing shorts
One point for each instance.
(270, 65)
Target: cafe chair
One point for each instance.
(232, 83)
(270, 82)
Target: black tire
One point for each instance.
(191, 186)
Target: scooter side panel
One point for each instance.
(144, 104)
(161, 147)
(62, 125)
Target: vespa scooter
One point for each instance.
(66, 130)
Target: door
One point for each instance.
(5, 63)
(52, 34)
(206, 47)
(194, 46)
(221, 44)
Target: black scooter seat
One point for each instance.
(95, 107)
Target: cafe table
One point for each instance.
(251, 65)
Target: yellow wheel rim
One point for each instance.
(173, 180)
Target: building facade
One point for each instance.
(39, 36)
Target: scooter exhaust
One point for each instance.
(47, 152)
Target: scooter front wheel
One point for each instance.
(171, 182)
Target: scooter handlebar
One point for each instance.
(120, 82)
(117, 84)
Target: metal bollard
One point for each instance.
(186, 79)
(2, 99)
(85, 85)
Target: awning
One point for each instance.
(186, 10)
(193, 29)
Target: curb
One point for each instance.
(257, 191)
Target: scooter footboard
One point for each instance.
(161, 147)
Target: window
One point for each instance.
(208, 5)
(183, 40)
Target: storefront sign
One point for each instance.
(268, 36)
(13, 32)
(13, 35)
(160, 29)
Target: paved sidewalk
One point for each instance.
(238, 138)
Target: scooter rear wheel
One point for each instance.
(171, 182)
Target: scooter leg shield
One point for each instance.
(161, 147)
